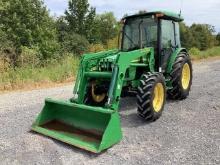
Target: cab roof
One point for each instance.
(162, 14)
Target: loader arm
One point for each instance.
(123, 62)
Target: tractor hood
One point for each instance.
(111, 58)
(110, 54)
(105, 60)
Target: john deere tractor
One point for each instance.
(150, 65)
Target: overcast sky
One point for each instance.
(197, 11)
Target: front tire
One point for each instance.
(93, 98)
(151, 96)
(181, 77)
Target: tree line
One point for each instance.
(29, 34)
(199, 36)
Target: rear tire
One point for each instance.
(151, 96)
(181, 77)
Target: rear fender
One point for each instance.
(173, 58)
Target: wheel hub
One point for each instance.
(97, 97)
(185, 76)
(158, 97)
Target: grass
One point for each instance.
(56, 72)
(62, 71)
(213, 52)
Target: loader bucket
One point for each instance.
(91, 128)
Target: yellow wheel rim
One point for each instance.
(158, 97)
(97, 98)
(186, 75)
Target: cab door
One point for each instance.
(169, 40)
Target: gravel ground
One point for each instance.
(187, 133)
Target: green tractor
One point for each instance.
(150, 64)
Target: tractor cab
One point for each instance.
(159, 30)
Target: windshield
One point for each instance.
(139, 31)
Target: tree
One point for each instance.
(27, 23)
(197, 35)
(74, 43)
(203, 36)
(187, 39)
(4, 41)
(106, 27)
(80, 17)
(62, 28)
(218, 38)
(70, 41)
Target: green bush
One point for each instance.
(29, 57)
(194, 51)
(196, 54)
(96, 48)
(28, 23)
(218, 39)
(215, 51)
(112, 43)
(58, 71)
(197, 35)
(74, 43)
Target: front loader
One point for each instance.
(149, 64)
